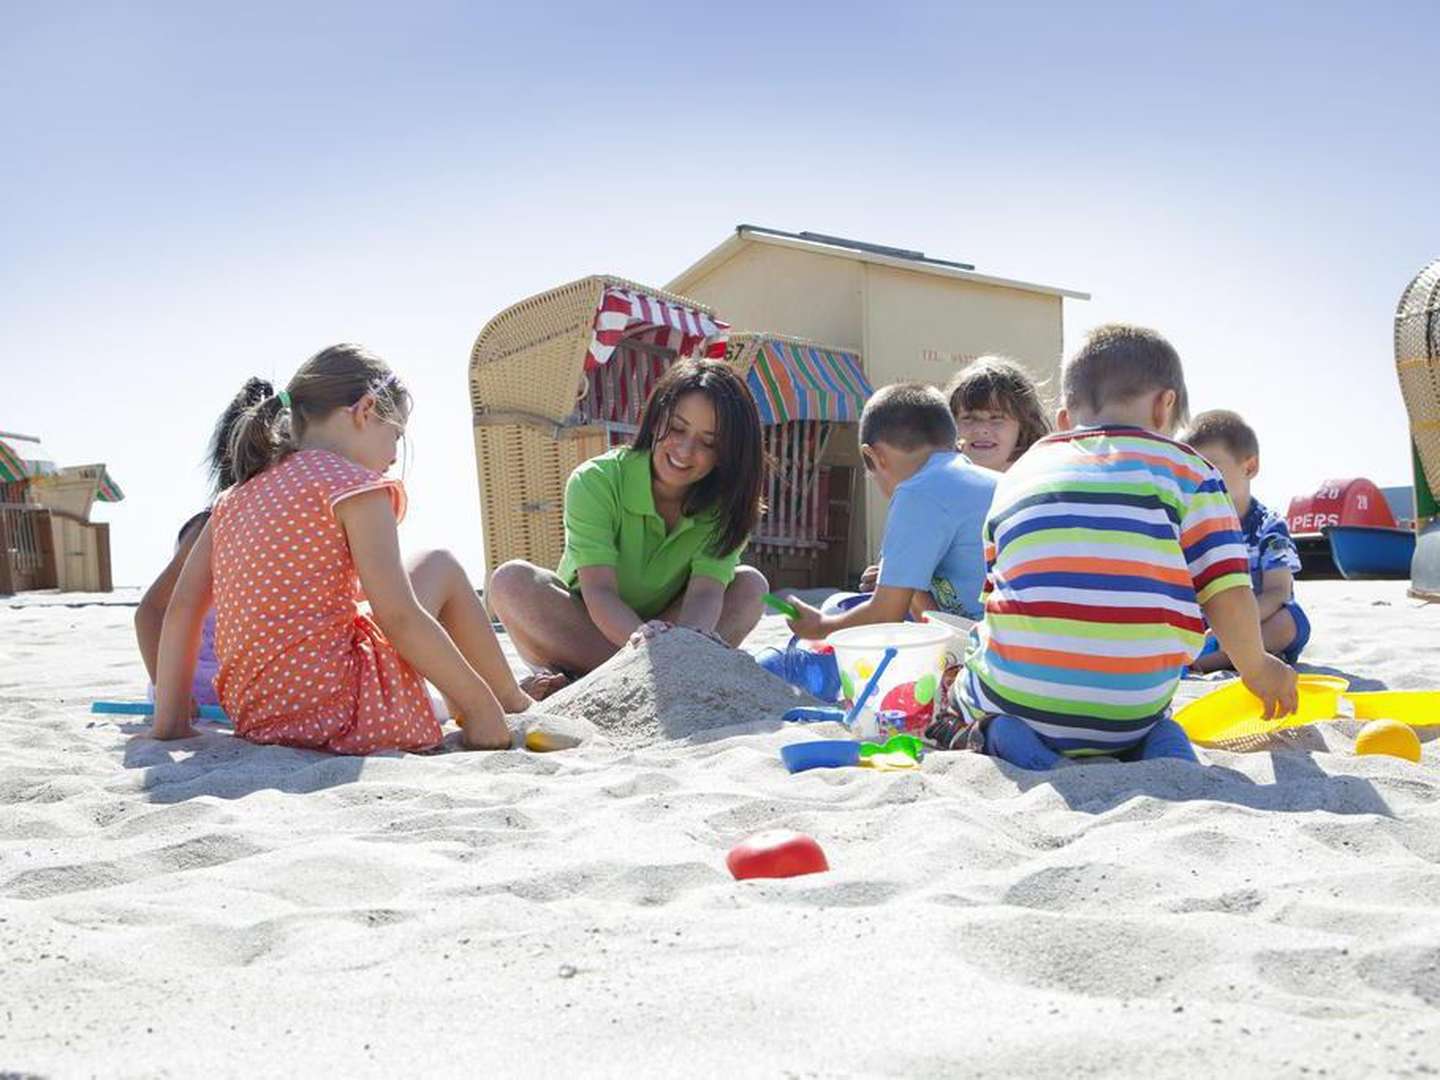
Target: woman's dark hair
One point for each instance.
(1000, 384)
(334, 378)
(733, 487)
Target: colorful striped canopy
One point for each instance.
(626, 314)
(22, 457)
(12, 465)
(799, 382)
(109, 490)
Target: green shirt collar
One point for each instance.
(637, 491)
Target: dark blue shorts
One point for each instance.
(1302, 634)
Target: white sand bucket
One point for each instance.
(959, 628)
(909, 684)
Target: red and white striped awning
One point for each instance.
(625, 315)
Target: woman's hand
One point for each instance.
(652, 629)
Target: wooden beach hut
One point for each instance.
(911, 316)
(47, 540)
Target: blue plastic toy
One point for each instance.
(147, 708)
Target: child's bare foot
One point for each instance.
(537, 686)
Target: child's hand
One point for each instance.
(1275, 683)
(485, 732)
(869, 578)
(809, 623)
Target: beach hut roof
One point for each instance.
(859, 250)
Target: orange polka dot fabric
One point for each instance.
(300, 664)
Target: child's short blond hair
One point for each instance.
(1117, 363)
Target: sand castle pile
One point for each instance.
(676, 686)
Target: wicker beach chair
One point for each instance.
(1417, 362)
(559, 378)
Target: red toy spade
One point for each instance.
(777, 853)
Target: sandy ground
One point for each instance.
(214, 907)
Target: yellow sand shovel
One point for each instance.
(1234, 718)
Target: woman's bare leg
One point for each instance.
(743, 606)
(444, 590)
(741, 609)
(549, 625)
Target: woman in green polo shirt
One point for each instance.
(653, 534)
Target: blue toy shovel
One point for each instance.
(860, 701)
(147, 708)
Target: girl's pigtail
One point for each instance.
(258, 439)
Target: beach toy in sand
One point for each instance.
(776, 854)
(897, 752)
(147, 708)
(811, 669)
(820, 754)
(1234, 714)
(1388, 737)
(919, 665)
(1416, 708)
(543, 733)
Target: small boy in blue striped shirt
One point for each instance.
(1230, 444)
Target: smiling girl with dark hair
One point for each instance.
(653, 534)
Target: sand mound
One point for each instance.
(676, 686)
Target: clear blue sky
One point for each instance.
(194, 193)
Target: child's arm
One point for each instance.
(369, 523)
(1233, 615)
(886, 604)
(600, 589)
(150, 615)
(1277, 586)
(179, 646)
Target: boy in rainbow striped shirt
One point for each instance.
(1104, 545)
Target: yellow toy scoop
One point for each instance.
(1416, 708)
(1234, 714)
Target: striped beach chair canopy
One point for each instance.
(23, 458)
(109, 490)
(631, 316)
(793, 380)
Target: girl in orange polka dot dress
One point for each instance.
(310, 523)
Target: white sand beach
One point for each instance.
(211, 907)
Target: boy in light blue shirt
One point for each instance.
(932, 557)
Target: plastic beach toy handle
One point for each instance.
(870, 686)
(145, 708)
(784, 607)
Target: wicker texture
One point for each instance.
(523, 468)
(531, 357)
(1417, 361)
